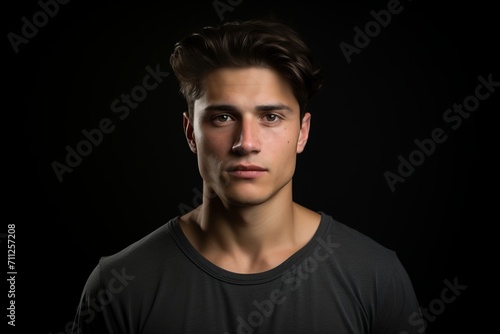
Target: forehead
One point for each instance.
(246, 86)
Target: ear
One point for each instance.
(188, 131)
(304, 132)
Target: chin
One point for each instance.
(245, 202)
(245, 198)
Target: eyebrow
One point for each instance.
(266, 107)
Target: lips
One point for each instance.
(246, 171)
(242, 167)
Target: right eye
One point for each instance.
(222, 118)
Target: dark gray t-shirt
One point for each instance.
(340, 282)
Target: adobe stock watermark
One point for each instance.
(121, 108)
(437, 306)
(453, 117)
(222, 6)
(116, 285)
(291, 282)
(372, 29)
(30, 27)
(196, 201)
(198, 197)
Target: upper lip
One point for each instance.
(246, 167)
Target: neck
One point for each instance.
(251, 238)
(249, 228)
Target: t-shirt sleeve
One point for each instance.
(93, 315)
(398, 307)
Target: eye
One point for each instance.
(271, 118)
(222, 118)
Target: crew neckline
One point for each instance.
(222, 274)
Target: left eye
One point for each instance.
(271, 117)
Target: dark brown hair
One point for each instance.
(265, 43)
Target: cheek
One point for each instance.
(210, 162)
(213, 143)
(212, 150)
(283, 149)
(284, 141)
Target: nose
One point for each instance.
(247, 137)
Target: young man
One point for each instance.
(249, 259)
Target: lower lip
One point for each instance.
(247, 174)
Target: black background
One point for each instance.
(440, 220)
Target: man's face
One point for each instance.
(246, 132)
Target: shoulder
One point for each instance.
(358, 252)
(366, 266)
(353, 239)
(149, 253)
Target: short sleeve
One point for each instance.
(398, 310)
(93, 315)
